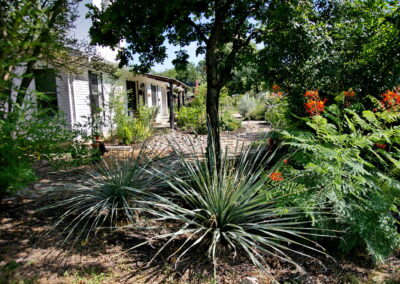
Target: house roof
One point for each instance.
(168, 80)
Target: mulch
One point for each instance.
(29, 254)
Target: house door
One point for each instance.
(154, 96)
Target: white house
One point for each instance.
(88, 92)
(79, 96)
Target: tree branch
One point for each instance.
(229, 62)
(198, 29)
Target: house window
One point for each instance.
(94, 90)
(46, 99)
(131, 93)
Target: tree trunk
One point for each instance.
(212, 104)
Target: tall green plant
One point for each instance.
(246, 105)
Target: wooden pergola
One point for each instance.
(181, 94)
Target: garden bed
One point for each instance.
(28, 254)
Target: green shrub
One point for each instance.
(23, 141)
(15, 174)
(233, 210)
(340, 161)
(276, 112)
(246, 105)
(125, 134)
(258, 113)
(137, 128)
(194, 118)
(200, 98)
(146, 115)
(141, 130)
(228, 122)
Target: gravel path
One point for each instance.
(250, 132)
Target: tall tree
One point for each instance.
(222, 29)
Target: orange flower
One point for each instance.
(276, 176)
(278, 94)
(315, 107)
(349, 93)
(380, 145)
(311, 95)
(276, 87)
(285, 161)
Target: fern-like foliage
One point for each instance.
(350, 160)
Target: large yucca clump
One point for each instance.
(231, 210)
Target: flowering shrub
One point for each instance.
(312, 95)
(277, 91)
(276, 87)
(380, 145)
(349, 158)
(277, 94)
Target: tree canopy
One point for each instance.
(331, 46)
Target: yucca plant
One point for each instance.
(231, 210)
(107, 197)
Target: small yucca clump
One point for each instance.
(234, 209)
(106, 199)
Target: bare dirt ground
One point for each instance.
(29, 254)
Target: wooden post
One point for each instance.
(179, 99)
(183, 97)
(171, 105)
